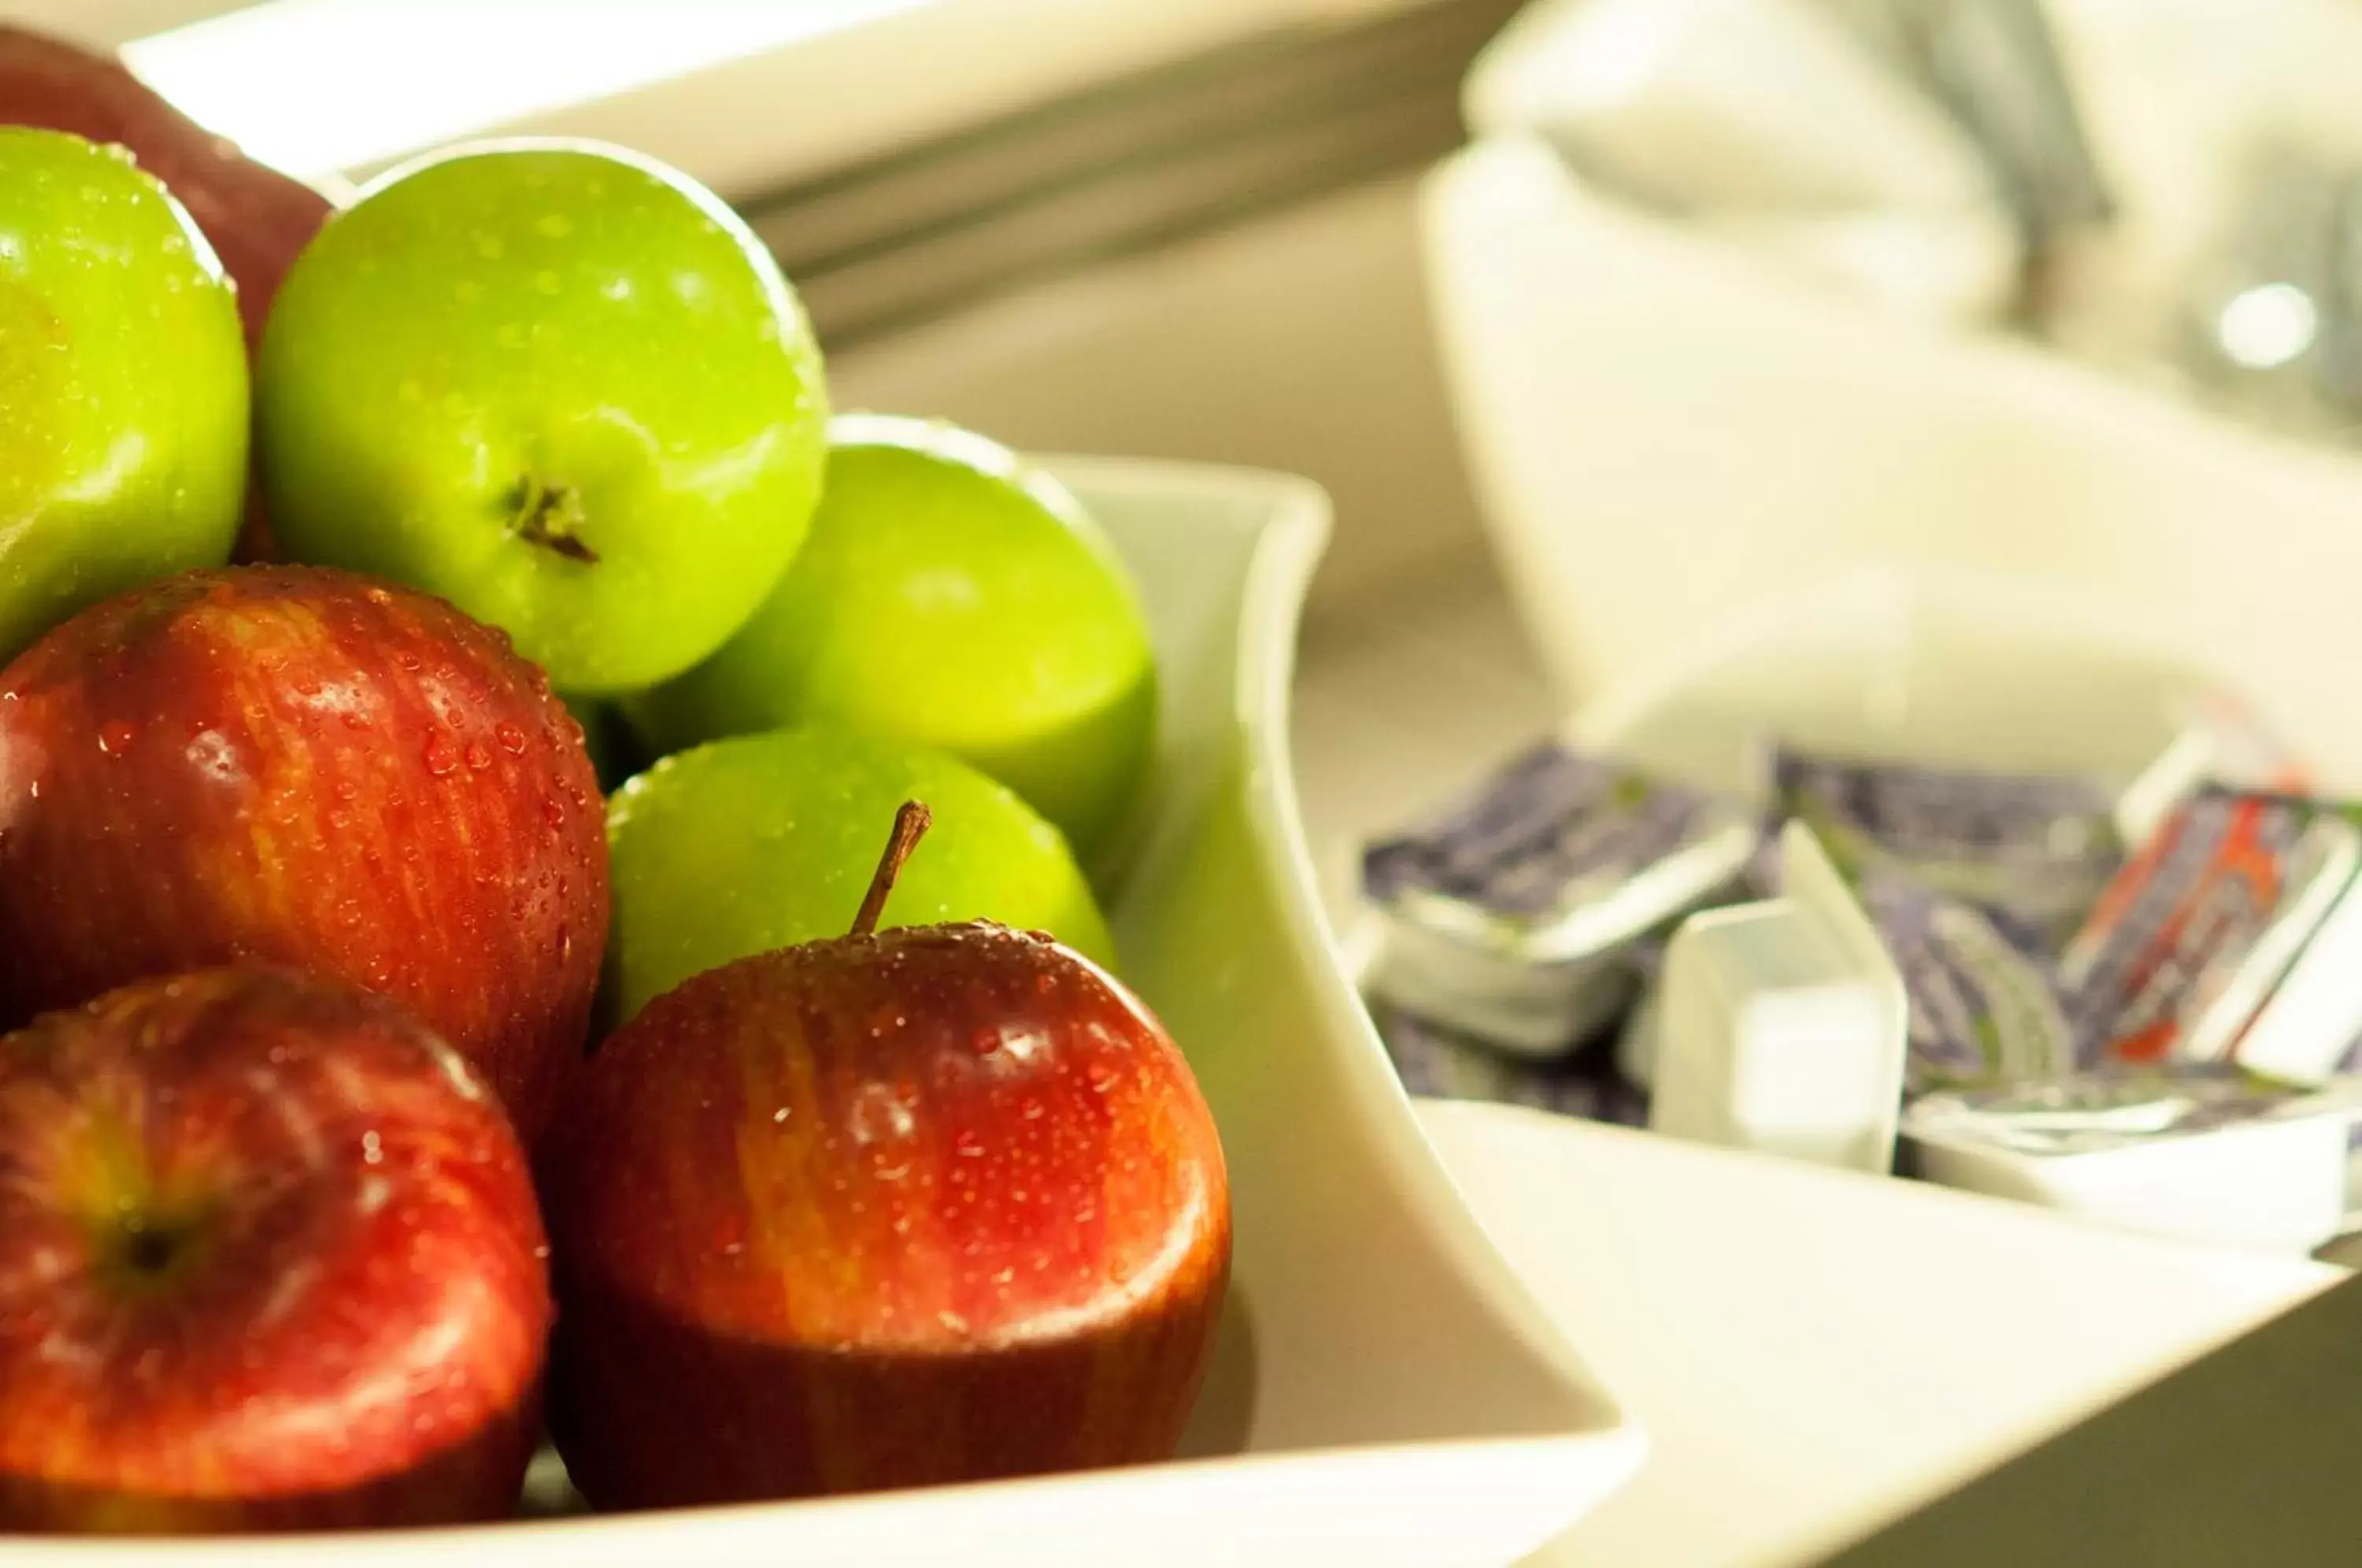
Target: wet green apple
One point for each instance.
(764, 841)
(123, 386)
(953, 595)
(559, 385)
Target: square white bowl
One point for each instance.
(1384, 1390)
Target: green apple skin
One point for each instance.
(762, 842)
(559, 385)
(123, 384)
(953, 596)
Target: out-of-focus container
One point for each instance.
(1674, 442)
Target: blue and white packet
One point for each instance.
(2031, 852)
(1514, 915)
(1433, 1062)
(1982, 1014)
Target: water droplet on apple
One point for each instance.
(408, 660)
(478, 756)
(967, 1144)
(1102, 1076)
(1045, 983)
(440, 757)
(875, 1116)
(552, 812)
(114, 739)
(512, 739)
(1030, 1108)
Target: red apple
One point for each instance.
(307, 768)
(257, 217)
(931, 1205)
(268, 1259)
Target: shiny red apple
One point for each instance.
(256, 217)
(307, 768)
(930, 1205)
(268, 1259)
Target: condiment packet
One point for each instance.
(1783, 1024)
(1512, 915)
(2197, 1151)
(2031, 852)
(1435, 1062)
(2191, 936)
(1982, 1012)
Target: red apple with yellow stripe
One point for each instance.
(268, 1259)
(307, 768)
(929, 1205)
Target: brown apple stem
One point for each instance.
(550, 515)
(911, 822)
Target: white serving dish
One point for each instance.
(1670, 438)
(1384, 1390)
(1817, 1350)
(1977, 670)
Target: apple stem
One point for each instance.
(911, 822)
(550, 515)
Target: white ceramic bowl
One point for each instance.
(1671, 439)
(1384, 1391)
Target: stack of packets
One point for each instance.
(2141, 1003)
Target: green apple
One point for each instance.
(765, 841)
(559, 385)
(951, 595)
(123, 405)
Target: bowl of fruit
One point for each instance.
(604, 961)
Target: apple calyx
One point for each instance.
(550, 515)
(912, 820)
